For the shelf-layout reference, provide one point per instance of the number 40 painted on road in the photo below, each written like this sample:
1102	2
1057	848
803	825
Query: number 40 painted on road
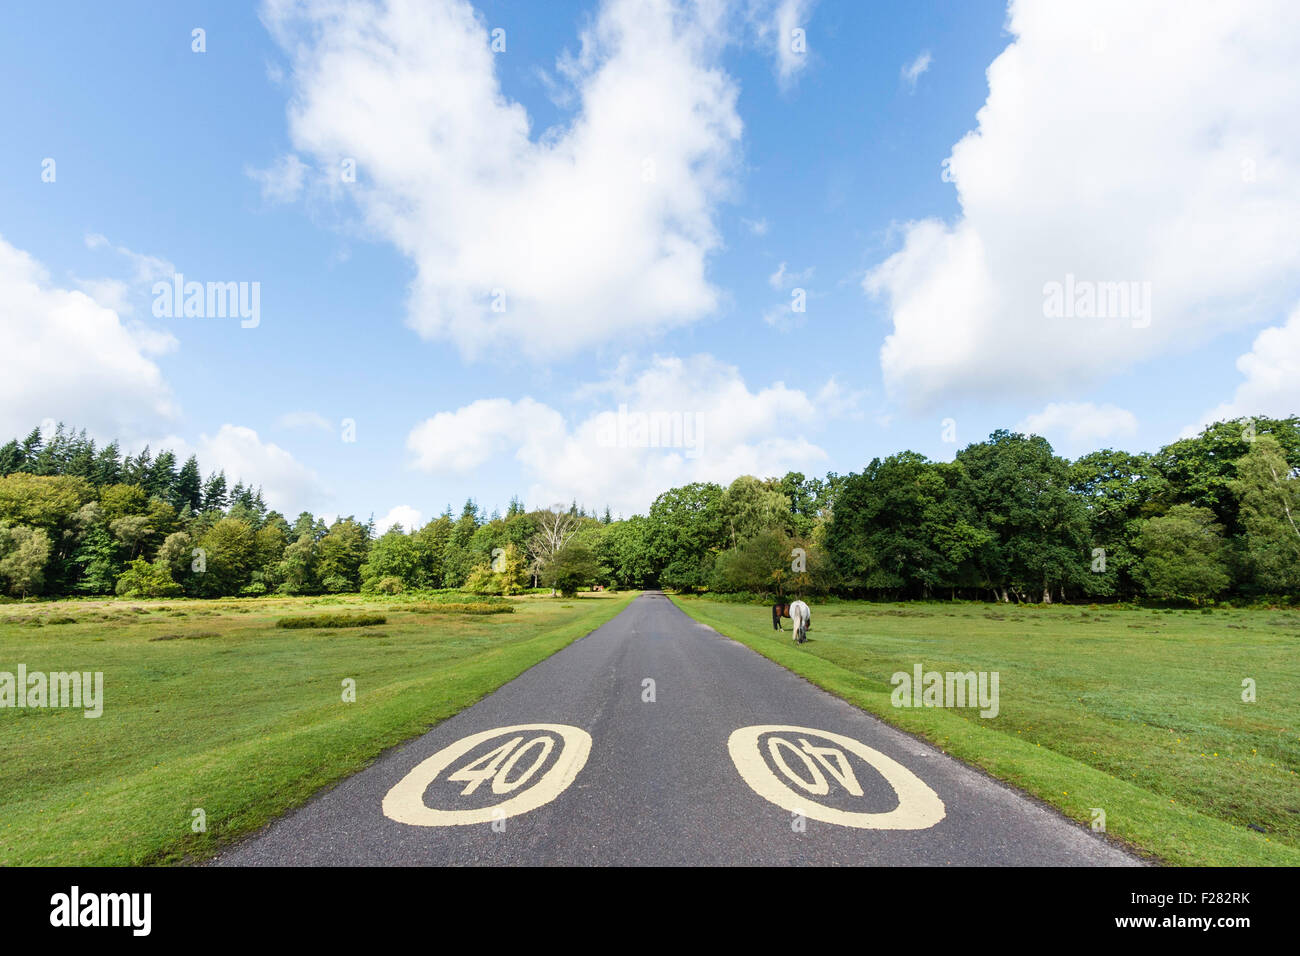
919	807
405	802
490	766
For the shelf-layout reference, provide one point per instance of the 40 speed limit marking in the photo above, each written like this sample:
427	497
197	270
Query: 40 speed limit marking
510	768
801	758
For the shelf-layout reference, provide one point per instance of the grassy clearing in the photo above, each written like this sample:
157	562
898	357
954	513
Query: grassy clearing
209	705
1137	712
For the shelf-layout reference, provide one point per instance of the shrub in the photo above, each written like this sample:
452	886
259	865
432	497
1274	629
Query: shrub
463	608
482	580
192	636
142	579
336	584
388	584
331	620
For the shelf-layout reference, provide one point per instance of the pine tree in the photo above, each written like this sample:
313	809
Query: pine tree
135	471
31	448
47	461
11	457
214	492
187	490
107	469
81	456
161	477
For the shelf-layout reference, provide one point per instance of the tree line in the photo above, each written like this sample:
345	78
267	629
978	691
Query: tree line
1206	517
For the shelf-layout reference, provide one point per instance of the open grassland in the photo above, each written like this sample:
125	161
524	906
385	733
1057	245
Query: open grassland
1136	712
210	706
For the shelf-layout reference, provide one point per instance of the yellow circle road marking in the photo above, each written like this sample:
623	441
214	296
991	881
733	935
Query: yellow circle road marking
918	808
405	802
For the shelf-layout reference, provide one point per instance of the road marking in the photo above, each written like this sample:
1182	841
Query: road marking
918	808
522	755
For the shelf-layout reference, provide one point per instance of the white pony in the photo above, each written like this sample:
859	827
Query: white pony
801	617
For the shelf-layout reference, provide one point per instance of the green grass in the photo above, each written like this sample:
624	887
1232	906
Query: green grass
209	705
1137	712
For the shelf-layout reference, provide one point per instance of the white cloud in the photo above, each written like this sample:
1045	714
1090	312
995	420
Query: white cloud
460	441
1150	142
115	294
145	269
151	341
757	227
833	400
912	71
782	279
287	485
774	23
713	428
409	518
112	294
66	357
282	181
1080	423
1271	372
783	317
591	231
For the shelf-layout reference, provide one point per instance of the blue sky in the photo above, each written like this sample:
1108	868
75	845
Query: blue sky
1103	151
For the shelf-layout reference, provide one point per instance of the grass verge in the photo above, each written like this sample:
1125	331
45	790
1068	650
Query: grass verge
1138	713
208	706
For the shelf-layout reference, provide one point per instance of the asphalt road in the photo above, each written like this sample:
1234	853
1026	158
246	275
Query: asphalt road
662	780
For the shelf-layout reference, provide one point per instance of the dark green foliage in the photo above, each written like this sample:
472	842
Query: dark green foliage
187	490
573	567
214	492
332	620
1182	555
142	579
1038	529
1216	515
97	558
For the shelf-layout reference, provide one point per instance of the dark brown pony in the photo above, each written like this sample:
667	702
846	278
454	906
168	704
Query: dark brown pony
779	611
